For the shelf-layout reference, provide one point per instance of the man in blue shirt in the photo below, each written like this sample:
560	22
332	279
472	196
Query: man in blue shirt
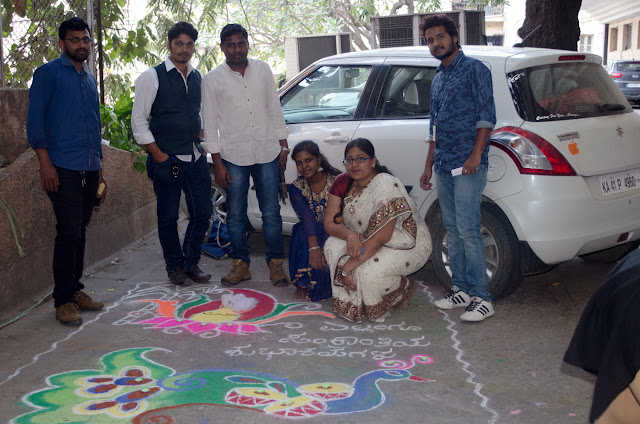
462	117
64	130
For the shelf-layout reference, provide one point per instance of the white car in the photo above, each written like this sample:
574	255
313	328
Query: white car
564	162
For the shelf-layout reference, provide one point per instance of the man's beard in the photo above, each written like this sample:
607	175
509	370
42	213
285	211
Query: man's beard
238	60
447	53
78	54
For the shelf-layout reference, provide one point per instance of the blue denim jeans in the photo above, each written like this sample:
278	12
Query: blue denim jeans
73	205
195	181
460	198
266	179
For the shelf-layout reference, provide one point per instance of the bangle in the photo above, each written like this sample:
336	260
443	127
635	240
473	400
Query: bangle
285	149
351	235
314	248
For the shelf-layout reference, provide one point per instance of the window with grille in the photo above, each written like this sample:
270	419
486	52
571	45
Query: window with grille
626	36
613	41
585	43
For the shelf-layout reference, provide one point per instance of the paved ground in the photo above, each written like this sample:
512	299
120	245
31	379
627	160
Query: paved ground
163	354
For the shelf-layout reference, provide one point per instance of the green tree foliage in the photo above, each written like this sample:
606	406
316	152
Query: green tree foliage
116	124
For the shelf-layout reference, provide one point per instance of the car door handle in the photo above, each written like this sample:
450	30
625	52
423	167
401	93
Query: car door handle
336	138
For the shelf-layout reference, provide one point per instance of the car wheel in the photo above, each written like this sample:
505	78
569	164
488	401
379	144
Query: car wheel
500	246
611	255
219	198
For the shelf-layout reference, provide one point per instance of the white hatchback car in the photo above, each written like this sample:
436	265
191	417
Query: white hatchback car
564	162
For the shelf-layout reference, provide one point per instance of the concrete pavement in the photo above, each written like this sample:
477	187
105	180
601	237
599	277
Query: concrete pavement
161	353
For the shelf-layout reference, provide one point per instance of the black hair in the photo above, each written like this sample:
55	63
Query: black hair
232	29
73	24
431	21
182	28
313	149
366	146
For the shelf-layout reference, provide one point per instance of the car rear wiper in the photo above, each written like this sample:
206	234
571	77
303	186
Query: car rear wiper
604	107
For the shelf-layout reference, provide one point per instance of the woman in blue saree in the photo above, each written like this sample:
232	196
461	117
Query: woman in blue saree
308	195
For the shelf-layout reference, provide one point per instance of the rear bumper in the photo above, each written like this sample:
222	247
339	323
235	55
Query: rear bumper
560	218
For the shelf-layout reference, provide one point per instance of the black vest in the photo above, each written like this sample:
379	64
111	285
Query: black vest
175	115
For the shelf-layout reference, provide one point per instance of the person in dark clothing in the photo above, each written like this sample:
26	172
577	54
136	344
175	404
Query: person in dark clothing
64	130
606	343
166	119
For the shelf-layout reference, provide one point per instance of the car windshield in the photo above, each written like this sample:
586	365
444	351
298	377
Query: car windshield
628	66
570	90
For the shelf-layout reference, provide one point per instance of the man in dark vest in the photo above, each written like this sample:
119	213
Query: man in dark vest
166	120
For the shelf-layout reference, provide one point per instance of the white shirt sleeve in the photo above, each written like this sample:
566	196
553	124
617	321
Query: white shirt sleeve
210	115
274	108
146	91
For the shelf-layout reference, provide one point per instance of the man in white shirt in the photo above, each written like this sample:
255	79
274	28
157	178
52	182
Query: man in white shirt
245	132
166	119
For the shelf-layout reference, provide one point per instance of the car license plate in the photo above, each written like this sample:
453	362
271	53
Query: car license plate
620	182
630	85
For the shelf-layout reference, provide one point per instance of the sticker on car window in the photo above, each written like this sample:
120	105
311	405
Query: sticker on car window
556	116
516	77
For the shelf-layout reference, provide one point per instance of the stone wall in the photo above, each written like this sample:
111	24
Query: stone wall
127	214
14	105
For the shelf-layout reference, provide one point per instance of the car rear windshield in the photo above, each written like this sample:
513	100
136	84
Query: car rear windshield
570	90
628	66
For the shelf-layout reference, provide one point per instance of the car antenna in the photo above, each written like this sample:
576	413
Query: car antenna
521	44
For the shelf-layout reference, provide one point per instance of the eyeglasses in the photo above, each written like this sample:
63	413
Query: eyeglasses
305	161
77	40
359	159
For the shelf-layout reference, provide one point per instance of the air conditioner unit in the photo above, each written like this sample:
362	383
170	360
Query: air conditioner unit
404	30
301	51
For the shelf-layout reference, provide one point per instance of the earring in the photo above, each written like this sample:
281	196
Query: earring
373	165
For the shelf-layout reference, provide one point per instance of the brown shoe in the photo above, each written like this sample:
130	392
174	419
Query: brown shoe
68	314
239	272
86	303
276	272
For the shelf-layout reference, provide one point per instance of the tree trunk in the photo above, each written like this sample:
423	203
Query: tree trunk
558	20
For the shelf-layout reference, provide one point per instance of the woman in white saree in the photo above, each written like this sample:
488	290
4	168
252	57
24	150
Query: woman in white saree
377	238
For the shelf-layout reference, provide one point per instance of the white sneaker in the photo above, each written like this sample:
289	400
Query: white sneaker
453	298
478	310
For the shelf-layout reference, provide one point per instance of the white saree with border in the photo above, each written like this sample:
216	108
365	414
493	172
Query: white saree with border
381	280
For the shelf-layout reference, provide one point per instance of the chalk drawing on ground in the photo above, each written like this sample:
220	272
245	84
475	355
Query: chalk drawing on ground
211	311
129	387
456	345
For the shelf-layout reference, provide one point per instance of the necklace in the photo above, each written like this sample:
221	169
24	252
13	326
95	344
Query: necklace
353	199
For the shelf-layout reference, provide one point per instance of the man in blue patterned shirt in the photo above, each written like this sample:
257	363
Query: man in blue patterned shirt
462	117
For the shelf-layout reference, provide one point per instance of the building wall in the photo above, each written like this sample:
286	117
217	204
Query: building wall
128	213
589	27
617	51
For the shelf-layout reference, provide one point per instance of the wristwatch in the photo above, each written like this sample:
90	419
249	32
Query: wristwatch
285	149
346	273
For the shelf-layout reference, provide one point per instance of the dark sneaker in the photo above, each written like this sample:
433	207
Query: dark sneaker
276	272
198	275
453	298
178	276
239	272
68	314
477	310
86	303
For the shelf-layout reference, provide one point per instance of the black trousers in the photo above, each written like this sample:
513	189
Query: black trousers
72	204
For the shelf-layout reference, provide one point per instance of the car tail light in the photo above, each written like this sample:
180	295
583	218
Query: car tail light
615	74
531	153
